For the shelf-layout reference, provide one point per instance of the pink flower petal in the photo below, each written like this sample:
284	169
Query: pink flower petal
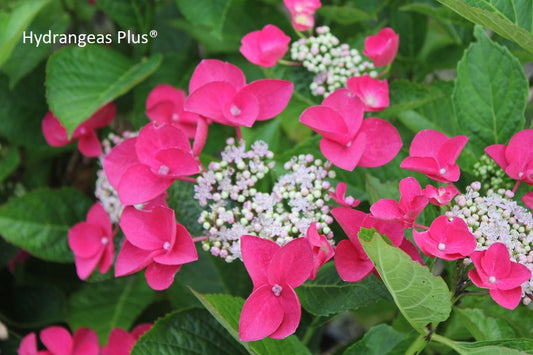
200	137
99	217
86	342
213	70
516	149
86	266
178	162
265	47
272	95
102	117
182	251
427	143
107	258
257	254
160	277
28	345
495	261
292	264
346	157
210	99
450	150
382	48
527	199
119	160
57	340
164	103
497	153
139	184
386	209
161	112
507	298
261	314
518	274
153	139
326	122
383	143
351	262
292	312
139	330
410	249
131	259
373	93
148	230
54	133
85	239
242	110
349	107
120	342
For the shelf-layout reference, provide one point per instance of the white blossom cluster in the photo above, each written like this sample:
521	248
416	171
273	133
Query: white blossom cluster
237	205
496	217
332	62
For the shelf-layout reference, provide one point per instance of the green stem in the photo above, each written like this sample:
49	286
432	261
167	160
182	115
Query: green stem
310	331
446	341
417	346
289	63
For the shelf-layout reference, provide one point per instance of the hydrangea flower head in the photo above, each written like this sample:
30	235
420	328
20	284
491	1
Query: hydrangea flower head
348	140
88	143
265	47
382	48
92	242
494	270
273	309
434	154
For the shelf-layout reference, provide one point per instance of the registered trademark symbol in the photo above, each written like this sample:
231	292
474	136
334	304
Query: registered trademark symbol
153	33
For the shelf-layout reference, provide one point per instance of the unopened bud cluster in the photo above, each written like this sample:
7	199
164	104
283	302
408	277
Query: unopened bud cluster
491	175
496	217
332	62
234	190
104	192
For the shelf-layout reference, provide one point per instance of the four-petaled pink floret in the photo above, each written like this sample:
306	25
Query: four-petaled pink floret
348	140
88	143
434	154
92	242
340	196
321	248
495	270
58	340
302	12
412	202
516	159
265	47
273	309
156	242
445	239
382	48
373	93
441	196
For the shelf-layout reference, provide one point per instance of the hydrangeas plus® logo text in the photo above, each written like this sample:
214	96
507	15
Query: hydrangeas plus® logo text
82	39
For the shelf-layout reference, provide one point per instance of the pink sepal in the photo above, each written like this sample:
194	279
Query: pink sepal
261	314
213	70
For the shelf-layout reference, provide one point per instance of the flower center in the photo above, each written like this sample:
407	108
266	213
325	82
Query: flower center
175	117
492	279
166	246
370	100
276	290
104	240
441	247
235	111
163	170
442	171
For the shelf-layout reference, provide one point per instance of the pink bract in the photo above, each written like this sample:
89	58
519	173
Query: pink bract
273	309
340	196
218	91
495	270
265	47
445	239
528	200
120	342
88	143
348	140
143	167
382	48
321	248
516	159
59	341
373	93
309	6
434	154
92	242
411	204
165	104
156	242
441	196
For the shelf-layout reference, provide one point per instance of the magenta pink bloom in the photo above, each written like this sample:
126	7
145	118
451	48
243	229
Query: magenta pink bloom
434	154
348	140
165	104
302	12
445	239
340	196
120	342
265	47
412	202
373	93
218	91
528	200
88	143
495	270
59	341
143	167
92	242
156	242
516	159
382	48
321	248
441	196
273	309
351	261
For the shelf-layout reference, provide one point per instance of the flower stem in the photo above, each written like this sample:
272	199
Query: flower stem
421	226
417	346
200	238
516	186
289	63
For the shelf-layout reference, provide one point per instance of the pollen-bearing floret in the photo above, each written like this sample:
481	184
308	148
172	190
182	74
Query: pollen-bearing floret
496	217
240	202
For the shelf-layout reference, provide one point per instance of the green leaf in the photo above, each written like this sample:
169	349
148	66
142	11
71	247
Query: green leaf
496	347
378	190
105	305
9	162
13	23
81	80
511	19
227	309
490	93
344	15
421	297
129	14
381	340
210	13
39	221
193	331
327	294
483	327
